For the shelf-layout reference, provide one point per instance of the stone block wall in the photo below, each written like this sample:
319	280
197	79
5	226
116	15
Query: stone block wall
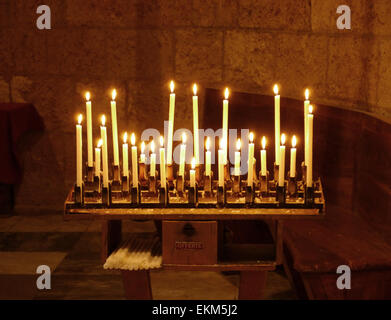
137	46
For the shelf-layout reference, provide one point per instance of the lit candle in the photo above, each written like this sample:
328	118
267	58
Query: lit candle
263	157
79	152
225	124
195	125
153	160
90	160
103	134
171	123
192	173
310	141
277	122
125	162
221	164
114	127
97	158
237	158
250	175
142	155
306	105
182	156
134	161
293	158
281	170
162	164
208	157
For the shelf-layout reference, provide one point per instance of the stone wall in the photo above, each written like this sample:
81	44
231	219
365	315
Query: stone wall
137	46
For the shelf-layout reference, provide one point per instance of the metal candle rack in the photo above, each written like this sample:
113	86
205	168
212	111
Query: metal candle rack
177	193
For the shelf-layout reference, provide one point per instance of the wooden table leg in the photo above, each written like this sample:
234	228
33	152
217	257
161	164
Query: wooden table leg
137	285
111	237
252	285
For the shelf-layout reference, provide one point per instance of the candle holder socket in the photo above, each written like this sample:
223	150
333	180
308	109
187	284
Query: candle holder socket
142	174
89	179
193	195
152	184
208	184
280	194
116	183
198	173
170	176
309	196
221	197
163	196
125	184
78	194
106	195
180	184
236	189
303	172
292	185
135	194
97	185
276	172
264	183
250	195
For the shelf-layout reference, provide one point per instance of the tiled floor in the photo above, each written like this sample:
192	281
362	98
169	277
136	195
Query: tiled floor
72	250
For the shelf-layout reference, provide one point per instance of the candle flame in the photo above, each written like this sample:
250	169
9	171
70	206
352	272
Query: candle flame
172	86
275	89
207	143
283	138
125	137
79	118
307	94
184	137
103	120
310	108
161	141
88	96
113	94
263	142
142	147
100	143
294	141
251	137
133	139
193	163
226	93
195	89
153	146
238	144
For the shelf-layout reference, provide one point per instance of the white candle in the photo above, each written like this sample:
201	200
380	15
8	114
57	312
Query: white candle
310	142
293	158
90	160
221	164
125	161
103	134
306	105
250	175
208	158
134	161
281	170
162	164
237	158
142	155
97	158
277	123
182	156
79	152
152	170
195	125
171	123
263	157
192	173
114	127
225	124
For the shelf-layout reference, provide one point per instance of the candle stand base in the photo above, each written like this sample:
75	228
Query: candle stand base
116	183
125	185
292	185
276	172
79	194
303	172
106	195
208	185
280	195
309	196
236	189
193	195
180	185
263	183
221	197
135	195
97	186
250	195
152	185
163	196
